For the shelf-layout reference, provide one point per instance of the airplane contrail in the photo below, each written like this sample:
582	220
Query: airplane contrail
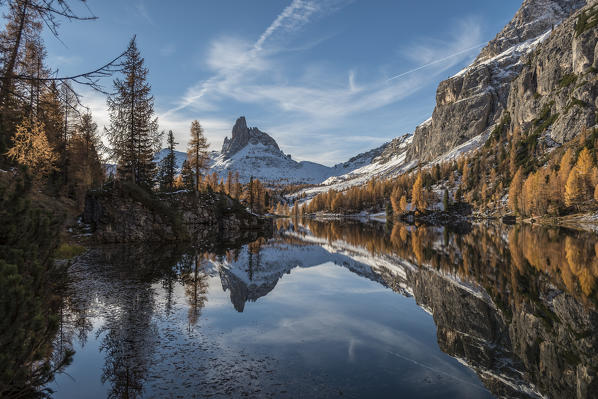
436	62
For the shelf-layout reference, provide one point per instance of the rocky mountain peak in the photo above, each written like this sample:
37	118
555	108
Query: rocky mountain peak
242	136
240	125
533	19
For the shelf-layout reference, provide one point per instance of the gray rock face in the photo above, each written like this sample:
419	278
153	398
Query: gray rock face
470	328
559	77
119	217
363	158
395	147
241	292
242	135
528	351
533	19
470	102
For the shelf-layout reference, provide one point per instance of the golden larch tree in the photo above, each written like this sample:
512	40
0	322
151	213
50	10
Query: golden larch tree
584	163
197	153
584	169
566	165
573	189
395	198
31	147
515	192
403	203
417	195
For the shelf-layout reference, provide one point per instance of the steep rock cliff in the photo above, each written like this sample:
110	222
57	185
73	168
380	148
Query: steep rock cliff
473	100
559	81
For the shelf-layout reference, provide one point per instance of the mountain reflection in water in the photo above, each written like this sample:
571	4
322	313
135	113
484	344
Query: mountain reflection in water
515	305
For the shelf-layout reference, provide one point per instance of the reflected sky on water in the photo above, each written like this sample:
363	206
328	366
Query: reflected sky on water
331	309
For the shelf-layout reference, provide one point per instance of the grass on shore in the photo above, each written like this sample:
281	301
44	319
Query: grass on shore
68	251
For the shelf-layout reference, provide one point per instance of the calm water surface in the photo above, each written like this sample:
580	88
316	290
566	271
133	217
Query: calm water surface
335	309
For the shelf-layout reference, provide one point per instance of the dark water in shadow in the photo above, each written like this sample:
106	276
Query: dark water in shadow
338	309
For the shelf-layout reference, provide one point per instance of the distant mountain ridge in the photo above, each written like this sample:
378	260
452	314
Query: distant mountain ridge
253	153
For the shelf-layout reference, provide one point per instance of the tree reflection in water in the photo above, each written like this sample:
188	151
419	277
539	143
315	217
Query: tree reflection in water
194	278
569	258
533	312
123	278
516	304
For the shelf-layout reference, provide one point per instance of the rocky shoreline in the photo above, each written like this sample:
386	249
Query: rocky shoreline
125	213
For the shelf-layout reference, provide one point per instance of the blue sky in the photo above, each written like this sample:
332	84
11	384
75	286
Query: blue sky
326	78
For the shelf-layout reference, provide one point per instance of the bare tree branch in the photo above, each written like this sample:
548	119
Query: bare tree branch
91	78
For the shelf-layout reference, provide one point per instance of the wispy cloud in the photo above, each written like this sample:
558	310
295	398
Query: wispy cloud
438	61
254	73
461	43
295	16
143	12
246	74
167	50
232	58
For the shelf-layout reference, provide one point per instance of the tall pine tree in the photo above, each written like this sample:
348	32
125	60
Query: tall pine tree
168	165
23	25
85	150
133	131
197	152
187	176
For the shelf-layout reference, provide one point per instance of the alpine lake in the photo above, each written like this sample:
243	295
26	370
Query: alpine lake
337	308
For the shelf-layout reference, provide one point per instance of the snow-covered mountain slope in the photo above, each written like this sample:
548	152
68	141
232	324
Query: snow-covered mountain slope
468	105
473	100
270	165
253	153
179	158
251	276
391	162
359	160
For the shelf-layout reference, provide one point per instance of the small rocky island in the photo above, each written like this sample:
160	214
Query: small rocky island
123	213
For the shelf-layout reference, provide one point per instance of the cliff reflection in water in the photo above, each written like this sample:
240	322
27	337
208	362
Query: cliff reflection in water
515	304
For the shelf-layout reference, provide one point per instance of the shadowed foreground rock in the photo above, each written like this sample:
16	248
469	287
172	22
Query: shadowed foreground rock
125	213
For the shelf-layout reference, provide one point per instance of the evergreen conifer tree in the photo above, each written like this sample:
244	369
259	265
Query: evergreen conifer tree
85	151
133	131
188	176
168	165
445	200
28	238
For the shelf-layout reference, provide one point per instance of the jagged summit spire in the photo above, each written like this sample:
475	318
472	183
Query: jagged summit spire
241	136
240	125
